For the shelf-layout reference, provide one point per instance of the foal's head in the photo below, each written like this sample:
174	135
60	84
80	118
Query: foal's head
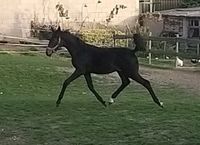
55	42
60	39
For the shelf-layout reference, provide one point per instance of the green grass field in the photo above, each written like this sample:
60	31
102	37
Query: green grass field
29	86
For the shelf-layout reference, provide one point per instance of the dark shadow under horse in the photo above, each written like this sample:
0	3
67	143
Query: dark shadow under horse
89	59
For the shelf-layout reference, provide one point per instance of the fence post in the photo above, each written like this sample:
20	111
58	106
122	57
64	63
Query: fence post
126	39
114	40
150	43
151	6
198	50
165	44
177	49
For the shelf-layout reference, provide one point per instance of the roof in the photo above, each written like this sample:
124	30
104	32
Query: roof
182	12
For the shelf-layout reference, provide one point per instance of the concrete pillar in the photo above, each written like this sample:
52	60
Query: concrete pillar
185	28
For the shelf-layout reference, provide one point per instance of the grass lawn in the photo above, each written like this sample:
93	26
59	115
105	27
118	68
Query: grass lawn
29	86
160	63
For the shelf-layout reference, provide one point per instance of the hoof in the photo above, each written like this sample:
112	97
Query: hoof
104	103
111	100
161	104
57	103
109	103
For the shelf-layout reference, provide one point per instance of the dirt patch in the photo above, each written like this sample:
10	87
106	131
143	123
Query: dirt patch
189	80
11	137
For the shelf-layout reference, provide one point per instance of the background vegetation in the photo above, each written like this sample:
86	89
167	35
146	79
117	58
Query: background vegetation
191	3
103	37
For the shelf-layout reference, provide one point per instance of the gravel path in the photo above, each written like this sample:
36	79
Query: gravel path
189	80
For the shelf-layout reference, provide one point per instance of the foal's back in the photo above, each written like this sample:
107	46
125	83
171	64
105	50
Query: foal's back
107	60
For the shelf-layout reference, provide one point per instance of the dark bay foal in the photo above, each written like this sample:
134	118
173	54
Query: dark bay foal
89	59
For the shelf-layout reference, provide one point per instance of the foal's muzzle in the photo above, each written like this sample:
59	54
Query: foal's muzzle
49	51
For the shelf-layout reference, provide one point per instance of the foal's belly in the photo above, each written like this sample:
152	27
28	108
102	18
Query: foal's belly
102	72
102	69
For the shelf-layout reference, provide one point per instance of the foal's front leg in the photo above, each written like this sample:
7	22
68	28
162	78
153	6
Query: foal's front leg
91	87
74	76
125	83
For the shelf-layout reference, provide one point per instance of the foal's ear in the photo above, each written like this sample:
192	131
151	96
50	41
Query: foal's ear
52	29
59	29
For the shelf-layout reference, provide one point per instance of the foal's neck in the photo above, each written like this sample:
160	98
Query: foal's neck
72	43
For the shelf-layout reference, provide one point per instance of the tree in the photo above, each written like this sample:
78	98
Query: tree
115	11
62	12
190	3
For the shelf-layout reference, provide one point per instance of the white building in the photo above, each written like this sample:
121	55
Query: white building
16	15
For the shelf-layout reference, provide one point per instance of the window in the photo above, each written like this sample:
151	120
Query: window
193	22
196	23
193	32
194	28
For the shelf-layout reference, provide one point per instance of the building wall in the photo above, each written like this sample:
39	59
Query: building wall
158	5
16	14
173	24
154	25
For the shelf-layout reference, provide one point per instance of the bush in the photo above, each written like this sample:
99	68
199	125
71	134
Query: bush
101	37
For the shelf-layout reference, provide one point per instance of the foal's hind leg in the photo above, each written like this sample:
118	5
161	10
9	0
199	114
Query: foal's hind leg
74	76
147	85
91	87
125	83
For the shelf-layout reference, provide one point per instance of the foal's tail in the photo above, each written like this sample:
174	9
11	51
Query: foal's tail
139	42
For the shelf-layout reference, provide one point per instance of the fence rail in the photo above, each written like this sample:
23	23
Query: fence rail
153	38
176	40
20	41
